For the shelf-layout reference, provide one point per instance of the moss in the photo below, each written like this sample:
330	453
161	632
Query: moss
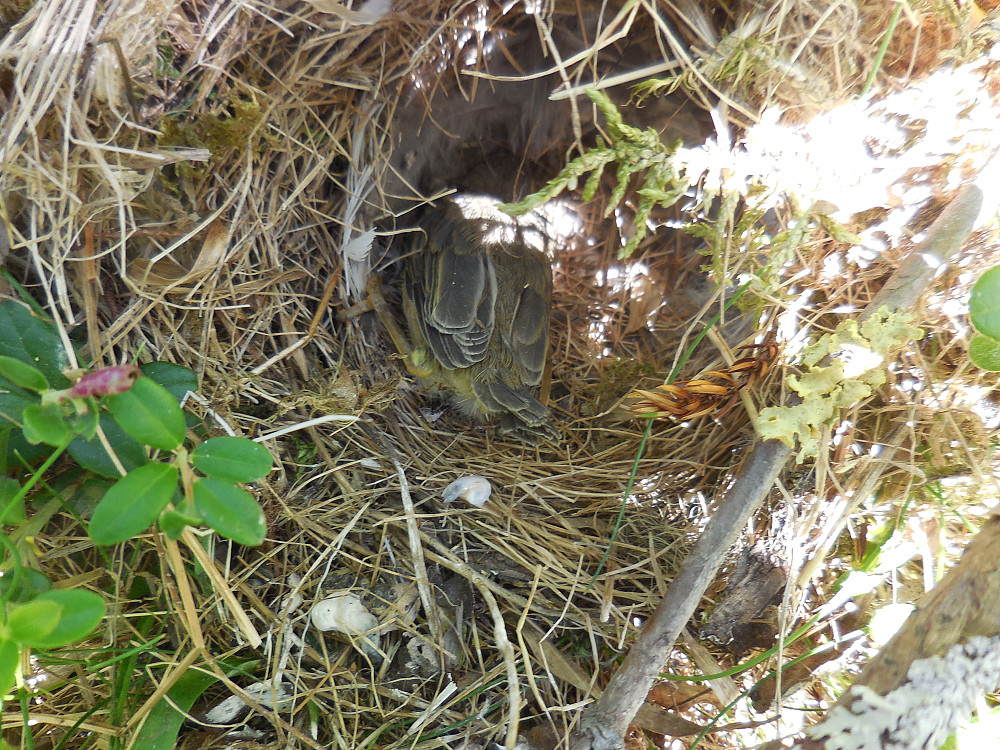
620	376
235	128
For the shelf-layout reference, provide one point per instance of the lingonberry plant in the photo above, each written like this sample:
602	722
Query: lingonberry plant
123	428
984	312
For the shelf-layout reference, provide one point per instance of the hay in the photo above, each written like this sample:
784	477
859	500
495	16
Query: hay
226	219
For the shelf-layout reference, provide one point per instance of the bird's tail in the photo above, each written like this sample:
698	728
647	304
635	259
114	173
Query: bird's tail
522	414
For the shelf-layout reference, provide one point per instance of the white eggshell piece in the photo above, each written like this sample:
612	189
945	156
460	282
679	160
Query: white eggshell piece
344	613
475	490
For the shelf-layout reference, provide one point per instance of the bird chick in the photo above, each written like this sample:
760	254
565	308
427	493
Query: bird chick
477	303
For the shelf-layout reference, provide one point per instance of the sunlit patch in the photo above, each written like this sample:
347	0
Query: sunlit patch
469	40
547	228
886	150
39	678
858	360
597	333
794	335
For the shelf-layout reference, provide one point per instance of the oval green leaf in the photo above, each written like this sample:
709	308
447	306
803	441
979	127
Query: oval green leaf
230	511
984	303
16	449
232	459
25	587
90	454
10	659
33	341
22	374
81	613
150	414
172	523
185	510
46	424
11	510
133	503
984	352
176	379
163	723
32	620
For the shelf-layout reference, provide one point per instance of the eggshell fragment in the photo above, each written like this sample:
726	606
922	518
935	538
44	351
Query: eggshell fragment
475	490
346	614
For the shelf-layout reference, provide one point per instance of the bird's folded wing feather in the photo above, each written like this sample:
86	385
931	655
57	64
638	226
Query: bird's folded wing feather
529	333
456	293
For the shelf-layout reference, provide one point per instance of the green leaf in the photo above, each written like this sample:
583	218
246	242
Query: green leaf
174	520
984	303
9	489
33	341
159	730
984	352
22	374
91	455
232	459
46	424
58	423
230	511
84	423
18	589
133	503
20	451
150	414
173	523
13	402
81	613
10	659
176	379
32	620
163	723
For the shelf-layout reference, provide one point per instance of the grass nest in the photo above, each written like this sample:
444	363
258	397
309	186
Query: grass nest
211	186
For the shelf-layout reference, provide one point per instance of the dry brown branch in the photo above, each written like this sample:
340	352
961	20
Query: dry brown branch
605	723
930	673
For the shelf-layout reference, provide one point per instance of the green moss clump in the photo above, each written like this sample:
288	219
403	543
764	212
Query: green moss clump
620	376
219	132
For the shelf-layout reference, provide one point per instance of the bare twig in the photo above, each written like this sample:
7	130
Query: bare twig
604	724
955	627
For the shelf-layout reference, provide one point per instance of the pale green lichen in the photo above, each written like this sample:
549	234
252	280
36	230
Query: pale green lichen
856	367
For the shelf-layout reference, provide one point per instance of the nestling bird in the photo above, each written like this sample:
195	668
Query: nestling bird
477	296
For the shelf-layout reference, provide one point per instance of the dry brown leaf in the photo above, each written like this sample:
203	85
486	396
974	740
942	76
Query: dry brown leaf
213	249
166	273
645	298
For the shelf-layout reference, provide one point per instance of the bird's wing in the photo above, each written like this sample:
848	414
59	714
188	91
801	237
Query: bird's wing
528	334
454	285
